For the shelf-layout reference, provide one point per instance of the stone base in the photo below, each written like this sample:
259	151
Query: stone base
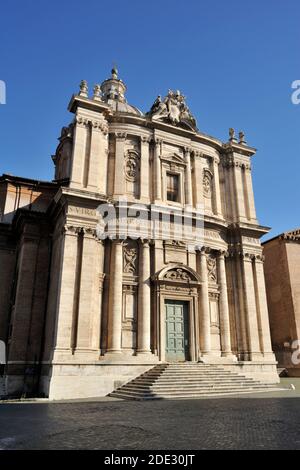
214	359
90	380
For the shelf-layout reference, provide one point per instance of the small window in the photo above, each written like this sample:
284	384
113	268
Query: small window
172	187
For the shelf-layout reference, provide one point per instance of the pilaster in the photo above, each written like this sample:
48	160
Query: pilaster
115	298
119	178
144	170
205	339
144	296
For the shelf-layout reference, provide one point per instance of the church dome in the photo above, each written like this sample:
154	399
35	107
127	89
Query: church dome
113	92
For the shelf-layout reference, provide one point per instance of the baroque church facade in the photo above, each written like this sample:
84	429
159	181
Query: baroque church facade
82	312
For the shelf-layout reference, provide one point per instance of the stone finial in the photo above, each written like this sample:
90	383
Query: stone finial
232	135
83	88
97	92
114	73
242	140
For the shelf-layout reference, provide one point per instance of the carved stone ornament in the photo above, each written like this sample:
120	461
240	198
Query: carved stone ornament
211	269
131	165
129	259
207	183
178	275
173	109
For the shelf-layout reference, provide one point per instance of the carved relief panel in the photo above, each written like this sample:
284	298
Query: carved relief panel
212	269
207	188
132	172
130	257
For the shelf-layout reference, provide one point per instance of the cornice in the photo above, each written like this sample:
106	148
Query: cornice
86	103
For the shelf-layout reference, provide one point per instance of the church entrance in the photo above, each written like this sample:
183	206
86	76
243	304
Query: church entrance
177	330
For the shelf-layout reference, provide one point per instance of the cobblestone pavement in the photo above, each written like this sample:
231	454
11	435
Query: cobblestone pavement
227	423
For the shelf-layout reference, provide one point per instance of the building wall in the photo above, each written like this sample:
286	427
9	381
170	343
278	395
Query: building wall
282	257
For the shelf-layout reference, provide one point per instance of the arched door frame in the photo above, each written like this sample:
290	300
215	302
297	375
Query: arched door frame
177	282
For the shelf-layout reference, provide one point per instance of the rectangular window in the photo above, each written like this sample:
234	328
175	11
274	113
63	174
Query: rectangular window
172	187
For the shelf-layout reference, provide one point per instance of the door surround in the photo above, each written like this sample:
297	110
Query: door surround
177	282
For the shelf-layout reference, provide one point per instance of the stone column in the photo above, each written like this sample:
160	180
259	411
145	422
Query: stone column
66	286
250	303
144	171
88	289
79	151
205	340
198	180
25	290
248	182
239	191
217	193
144	296
188	178
97	318
97	175
157	170
224	310
264	326
115	298
119	179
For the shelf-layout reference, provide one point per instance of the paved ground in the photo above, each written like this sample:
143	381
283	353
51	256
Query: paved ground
261	421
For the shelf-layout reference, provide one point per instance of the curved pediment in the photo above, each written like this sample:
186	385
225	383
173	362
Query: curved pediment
177	272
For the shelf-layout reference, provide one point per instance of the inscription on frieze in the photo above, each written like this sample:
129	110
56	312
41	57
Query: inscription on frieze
81	211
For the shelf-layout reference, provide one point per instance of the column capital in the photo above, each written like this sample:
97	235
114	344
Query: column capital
188	150
120	136
99	126
222	253
146	139
205	250
158	141
145	242
81	121
198	154
259	258
118	241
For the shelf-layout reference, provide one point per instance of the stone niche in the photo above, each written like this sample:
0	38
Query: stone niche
132	157
130	292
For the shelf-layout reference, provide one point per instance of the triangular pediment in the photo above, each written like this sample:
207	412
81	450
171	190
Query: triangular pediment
174	158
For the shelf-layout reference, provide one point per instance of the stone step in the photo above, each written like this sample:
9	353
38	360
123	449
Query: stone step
185	375
188	381
192	382
176	390
129	396
193	385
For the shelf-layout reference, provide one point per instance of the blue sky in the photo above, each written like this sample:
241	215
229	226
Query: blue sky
235	62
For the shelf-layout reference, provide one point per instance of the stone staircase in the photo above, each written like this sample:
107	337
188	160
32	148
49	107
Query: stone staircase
188	380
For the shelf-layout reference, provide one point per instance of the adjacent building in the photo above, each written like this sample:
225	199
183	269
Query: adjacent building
282	274
84	304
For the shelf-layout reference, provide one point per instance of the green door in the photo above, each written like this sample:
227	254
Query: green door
177	337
